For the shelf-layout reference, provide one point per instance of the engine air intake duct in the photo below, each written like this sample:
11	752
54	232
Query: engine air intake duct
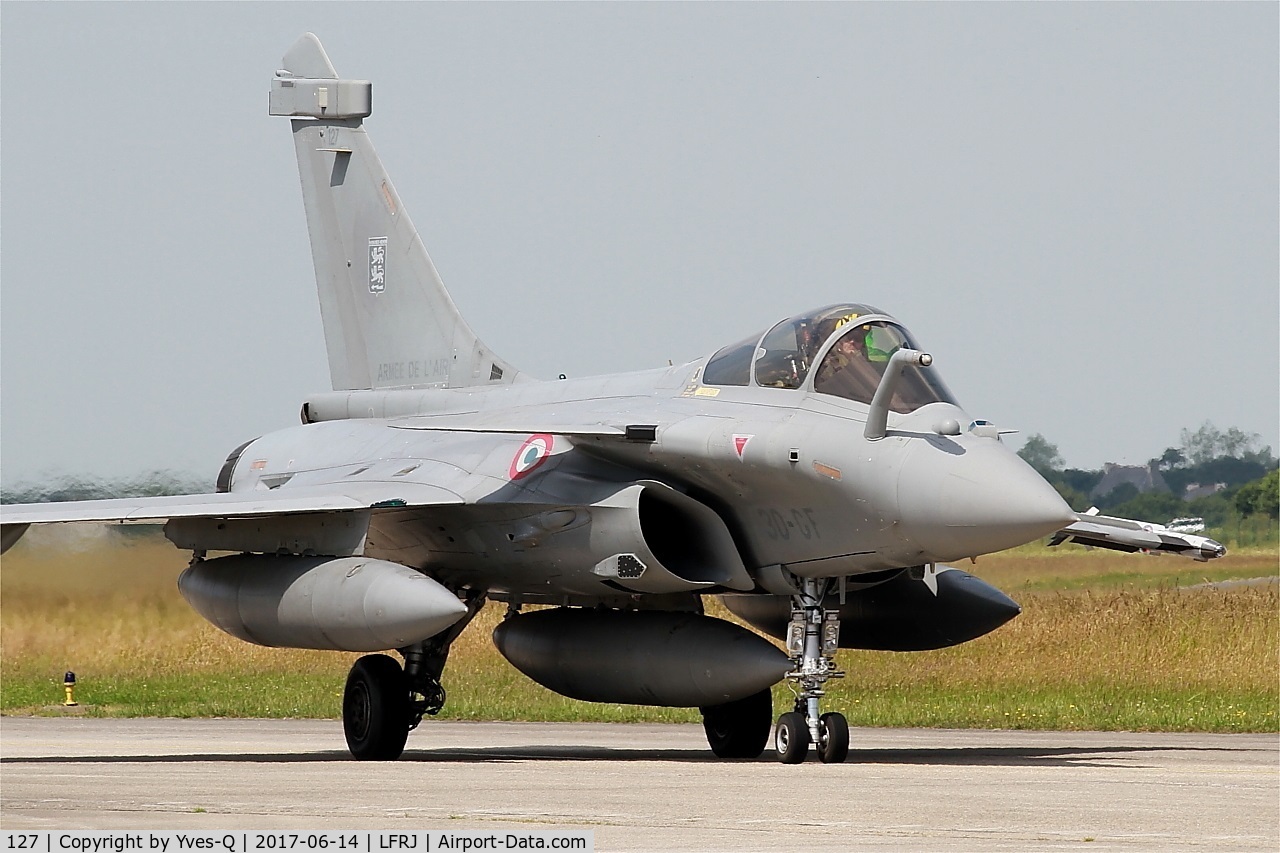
646	657
642	536
675	543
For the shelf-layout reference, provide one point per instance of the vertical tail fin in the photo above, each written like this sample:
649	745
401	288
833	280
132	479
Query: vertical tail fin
388	320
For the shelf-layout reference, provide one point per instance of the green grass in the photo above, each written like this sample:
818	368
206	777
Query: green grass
1037	568
1175	577
1092	706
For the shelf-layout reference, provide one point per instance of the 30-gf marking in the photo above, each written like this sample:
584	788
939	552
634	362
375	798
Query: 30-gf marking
781	524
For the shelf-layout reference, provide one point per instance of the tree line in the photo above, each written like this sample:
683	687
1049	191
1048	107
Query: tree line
1206	456
70	488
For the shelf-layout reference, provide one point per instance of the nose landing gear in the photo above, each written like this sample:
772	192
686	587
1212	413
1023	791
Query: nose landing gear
812	639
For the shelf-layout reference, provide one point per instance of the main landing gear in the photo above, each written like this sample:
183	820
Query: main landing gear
739	729
812	639
382	702
375	708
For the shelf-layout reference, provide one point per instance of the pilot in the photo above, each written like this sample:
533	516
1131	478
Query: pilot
820	336
847	350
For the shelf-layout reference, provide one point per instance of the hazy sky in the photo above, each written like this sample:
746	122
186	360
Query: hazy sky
1074	207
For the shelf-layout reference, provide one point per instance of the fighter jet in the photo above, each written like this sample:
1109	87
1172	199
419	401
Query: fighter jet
816	475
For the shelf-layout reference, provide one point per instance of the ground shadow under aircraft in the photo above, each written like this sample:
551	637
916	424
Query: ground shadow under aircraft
1013	756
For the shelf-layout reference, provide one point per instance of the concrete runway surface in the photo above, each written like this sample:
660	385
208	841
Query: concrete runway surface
652	787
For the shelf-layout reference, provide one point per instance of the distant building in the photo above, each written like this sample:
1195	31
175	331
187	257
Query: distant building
1145	477
1197	490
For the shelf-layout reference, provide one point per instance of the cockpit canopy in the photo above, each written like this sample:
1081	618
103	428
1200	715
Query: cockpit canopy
850	346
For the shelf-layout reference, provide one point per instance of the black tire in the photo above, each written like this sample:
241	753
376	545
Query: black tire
791	738
375	709
739	729
833	738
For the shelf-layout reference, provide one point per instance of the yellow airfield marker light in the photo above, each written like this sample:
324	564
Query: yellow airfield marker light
69	684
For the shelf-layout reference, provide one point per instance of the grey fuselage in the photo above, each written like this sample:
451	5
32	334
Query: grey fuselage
787	470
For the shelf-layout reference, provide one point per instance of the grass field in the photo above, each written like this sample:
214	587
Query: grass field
1106	641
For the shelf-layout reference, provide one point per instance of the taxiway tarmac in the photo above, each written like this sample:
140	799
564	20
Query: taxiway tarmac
650	787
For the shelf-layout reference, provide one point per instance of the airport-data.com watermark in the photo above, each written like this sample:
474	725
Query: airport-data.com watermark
330	841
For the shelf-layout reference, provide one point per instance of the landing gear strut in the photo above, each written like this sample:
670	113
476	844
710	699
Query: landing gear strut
812	639
382	703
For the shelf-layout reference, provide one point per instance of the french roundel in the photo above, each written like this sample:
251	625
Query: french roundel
532	453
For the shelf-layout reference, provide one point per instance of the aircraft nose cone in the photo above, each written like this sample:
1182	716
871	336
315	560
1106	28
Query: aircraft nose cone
982	500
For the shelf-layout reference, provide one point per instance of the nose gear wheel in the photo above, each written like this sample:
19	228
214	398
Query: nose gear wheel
791	737
833	738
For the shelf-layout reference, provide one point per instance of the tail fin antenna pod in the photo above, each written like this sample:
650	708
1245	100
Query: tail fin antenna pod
388	320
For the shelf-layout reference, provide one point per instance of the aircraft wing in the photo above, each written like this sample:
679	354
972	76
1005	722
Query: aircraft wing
266	503
1124	534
